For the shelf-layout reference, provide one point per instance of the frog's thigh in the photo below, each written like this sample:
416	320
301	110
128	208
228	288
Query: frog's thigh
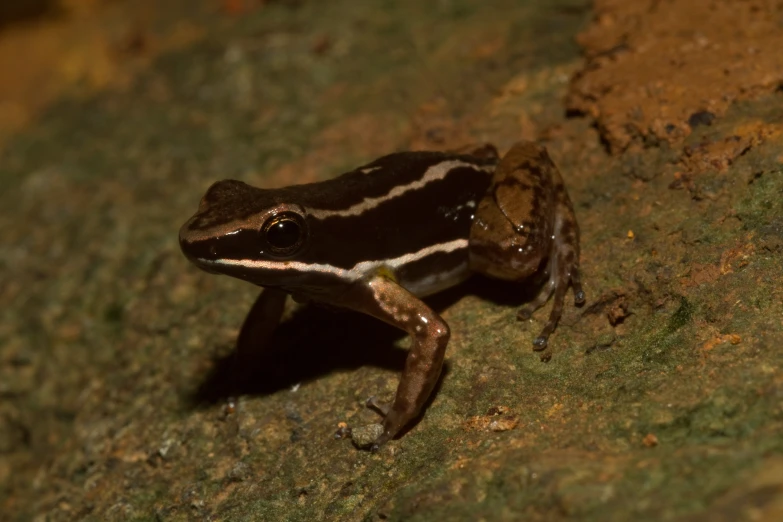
511	234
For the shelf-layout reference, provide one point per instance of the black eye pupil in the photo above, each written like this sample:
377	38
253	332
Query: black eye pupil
283	234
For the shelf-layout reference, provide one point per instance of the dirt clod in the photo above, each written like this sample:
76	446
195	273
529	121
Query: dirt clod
657	69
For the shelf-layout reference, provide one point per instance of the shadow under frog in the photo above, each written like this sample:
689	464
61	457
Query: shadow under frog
318	340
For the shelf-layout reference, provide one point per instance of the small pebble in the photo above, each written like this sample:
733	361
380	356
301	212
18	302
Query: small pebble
365	436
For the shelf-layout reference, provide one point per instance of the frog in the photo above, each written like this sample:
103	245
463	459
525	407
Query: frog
380	238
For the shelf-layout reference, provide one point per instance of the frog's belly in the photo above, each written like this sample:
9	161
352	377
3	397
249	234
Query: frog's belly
444	267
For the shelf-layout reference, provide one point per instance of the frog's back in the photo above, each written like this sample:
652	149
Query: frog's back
408	211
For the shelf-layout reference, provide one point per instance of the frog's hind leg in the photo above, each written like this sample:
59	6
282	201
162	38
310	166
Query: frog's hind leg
563	268
525	223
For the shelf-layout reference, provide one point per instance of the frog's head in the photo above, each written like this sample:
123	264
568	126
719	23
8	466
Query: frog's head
246	232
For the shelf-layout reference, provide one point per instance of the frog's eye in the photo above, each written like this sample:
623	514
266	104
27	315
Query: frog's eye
284	233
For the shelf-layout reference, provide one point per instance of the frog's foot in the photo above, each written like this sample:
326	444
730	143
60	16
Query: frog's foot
372	436
393	421
381	433
563	270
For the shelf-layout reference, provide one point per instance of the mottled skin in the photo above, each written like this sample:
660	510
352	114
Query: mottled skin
527	219
378	238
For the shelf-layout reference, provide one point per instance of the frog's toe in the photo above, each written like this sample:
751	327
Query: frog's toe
377	405
576	285
540	343
524	314
527	311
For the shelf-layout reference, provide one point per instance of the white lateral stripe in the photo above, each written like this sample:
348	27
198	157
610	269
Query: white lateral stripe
357	272
434	173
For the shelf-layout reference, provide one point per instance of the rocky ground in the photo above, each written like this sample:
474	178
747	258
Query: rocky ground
663	399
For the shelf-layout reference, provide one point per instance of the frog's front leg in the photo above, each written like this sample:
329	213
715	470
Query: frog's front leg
524	224
257	329
383	298
261	321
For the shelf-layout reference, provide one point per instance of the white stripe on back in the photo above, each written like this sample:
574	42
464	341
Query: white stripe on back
434	173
